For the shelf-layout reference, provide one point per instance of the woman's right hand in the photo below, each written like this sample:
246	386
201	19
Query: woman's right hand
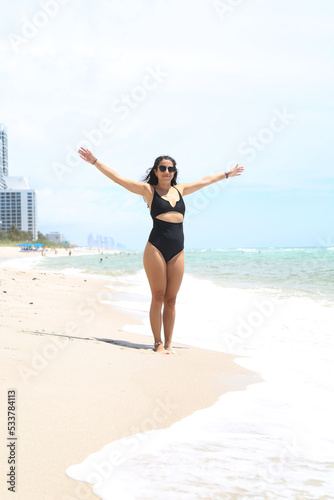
86	155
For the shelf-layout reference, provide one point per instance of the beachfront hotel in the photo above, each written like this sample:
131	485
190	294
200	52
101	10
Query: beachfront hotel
17	200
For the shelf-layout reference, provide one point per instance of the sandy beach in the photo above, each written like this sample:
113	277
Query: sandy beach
81	381
15	252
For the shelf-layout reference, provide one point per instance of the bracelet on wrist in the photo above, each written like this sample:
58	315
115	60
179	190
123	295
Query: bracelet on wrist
94	161
226	173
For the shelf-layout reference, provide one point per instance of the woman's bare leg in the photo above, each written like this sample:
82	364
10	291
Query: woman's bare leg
175	270
155	268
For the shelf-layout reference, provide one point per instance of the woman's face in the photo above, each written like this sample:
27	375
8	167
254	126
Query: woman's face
164	177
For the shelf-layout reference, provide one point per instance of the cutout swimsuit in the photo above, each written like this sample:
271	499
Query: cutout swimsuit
167	237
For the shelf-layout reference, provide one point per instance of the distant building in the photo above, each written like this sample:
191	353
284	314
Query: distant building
17	200
99	241
55	237
103	242
108	243
91	241
18	206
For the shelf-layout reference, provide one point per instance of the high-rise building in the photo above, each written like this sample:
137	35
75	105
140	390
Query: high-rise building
91	240
108	243
103	242
18	206
17	200
99	241
3	155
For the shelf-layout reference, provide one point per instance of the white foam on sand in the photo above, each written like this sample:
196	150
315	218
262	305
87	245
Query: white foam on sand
21	263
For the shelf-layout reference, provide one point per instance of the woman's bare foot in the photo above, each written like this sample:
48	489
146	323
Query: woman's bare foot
169	348
158	347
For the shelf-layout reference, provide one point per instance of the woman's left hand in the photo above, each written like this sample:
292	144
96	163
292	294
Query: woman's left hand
235	171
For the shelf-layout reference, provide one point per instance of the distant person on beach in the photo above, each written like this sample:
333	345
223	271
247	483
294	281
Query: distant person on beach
163	257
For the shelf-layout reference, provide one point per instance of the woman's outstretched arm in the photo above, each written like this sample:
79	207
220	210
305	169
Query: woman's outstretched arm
191	187
141	188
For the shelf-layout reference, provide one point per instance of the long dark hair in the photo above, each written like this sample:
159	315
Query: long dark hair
150	176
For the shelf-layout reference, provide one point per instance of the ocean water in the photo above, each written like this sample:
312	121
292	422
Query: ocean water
275	440
298	270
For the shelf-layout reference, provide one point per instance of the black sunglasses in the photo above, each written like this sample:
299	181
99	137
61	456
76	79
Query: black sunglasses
162	168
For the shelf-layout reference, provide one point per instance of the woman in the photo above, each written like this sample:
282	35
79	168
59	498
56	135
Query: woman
164	252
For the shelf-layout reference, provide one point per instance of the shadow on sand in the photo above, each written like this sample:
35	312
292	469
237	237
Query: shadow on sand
122	343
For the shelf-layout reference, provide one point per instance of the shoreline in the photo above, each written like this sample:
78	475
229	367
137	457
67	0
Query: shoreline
82	382
13	252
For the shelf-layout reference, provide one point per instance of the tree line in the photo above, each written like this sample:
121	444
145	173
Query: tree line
15	235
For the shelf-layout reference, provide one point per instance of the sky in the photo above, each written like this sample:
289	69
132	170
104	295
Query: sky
211	83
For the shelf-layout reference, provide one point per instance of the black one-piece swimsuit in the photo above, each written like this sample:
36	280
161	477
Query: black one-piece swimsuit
167	237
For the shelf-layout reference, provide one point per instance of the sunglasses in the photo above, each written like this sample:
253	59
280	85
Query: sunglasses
162	168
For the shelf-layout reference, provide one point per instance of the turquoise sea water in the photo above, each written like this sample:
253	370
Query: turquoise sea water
307	271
